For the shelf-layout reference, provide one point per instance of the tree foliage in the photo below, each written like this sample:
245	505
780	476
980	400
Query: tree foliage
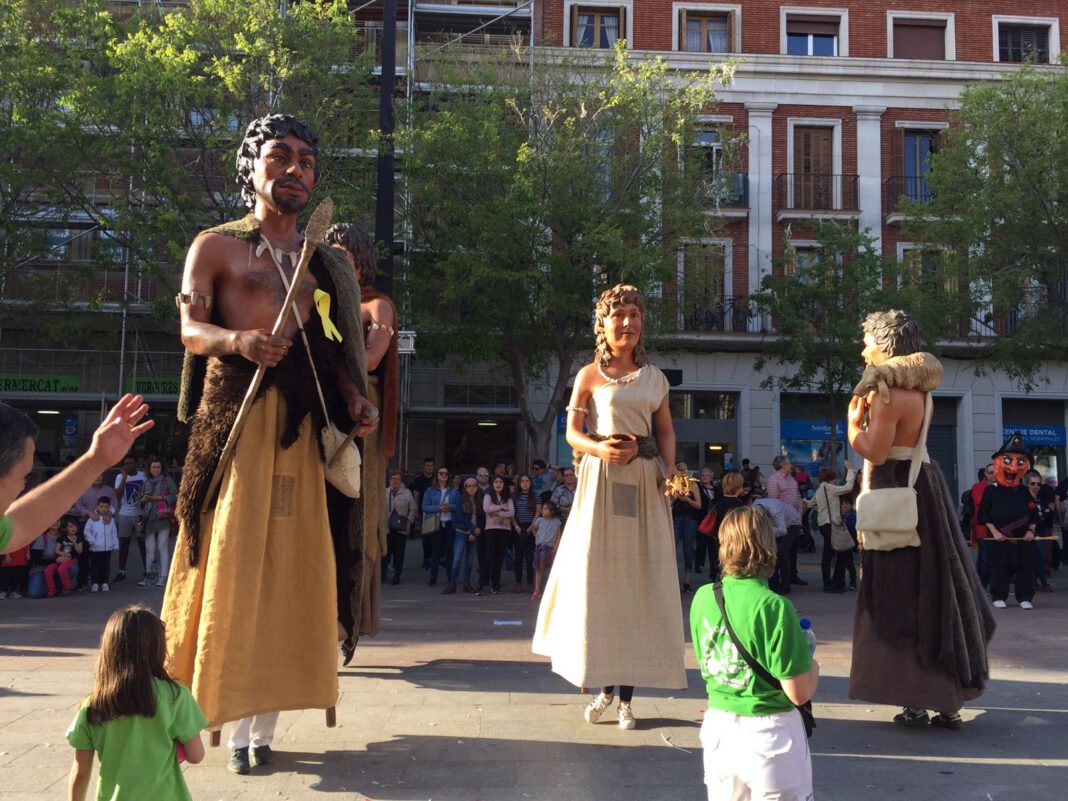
531	193
999	214
817	305
127	127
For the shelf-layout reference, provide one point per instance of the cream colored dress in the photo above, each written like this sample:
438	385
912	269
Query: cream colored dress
610	613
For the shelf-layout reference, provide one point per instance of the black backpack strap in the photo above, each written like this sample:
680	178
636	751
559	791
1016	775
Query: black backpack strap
717	589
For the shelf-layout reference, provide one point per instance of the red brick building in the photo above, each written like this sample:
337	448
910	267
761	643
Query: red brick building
840	104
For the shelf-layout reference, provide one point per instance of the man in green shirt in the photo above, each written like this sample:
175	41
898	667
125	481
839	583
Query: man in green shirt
24	518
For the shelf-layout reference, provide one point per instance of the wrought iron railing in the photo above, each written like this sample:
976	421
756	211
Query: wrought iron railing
912	187
814	192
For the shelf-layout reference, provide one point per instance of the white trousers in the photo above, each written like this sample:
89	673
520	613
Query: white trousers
254	731
750	758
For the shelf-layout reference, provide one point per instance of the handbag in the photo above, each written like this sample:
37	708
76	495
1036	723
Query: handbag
398	522
708	524
343	461
840	538
164	511
430	524
807	716
893	511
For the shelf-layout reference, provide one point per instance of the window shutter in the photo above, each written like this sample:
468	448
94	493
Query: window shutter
682	29
920	39
574	26
732	46
813	23
899	155
623	28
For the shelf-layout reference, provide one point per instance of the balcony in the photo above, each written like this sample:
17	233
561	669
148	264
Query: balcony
727	315
369	39
472	57
728	194
898	188
806	196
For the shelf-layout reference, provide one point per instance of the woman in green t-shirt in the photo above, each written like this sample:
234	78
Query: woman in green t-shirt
753	736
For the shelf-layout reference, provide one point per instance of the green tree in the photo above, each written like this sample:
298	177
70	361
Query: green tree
999	216
47	48
816	301
530	193
128	127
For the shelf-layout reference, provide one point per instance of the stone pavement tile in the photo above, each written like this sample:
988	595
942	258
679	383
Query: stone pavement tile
36	770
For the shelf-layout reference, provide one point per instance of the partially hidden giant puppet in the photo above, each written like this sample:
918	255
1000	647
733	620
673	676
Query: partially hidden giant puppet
922	620
251	613
1010	515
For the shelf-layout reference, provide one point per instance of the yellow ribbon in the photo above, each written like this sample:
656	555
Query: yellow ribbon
322	305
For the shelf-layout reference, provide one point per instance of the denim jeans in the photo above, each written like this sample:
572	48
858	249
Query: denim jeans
463	553
686	531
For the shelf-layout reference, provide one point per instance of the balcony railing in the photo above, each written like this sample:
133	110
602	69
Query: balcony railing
730	314
912	187
729	190
817	193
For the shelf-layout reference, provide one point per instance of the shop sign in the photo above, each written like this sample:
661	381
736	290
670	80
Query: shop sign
809	429
154	385
39	383
1035	435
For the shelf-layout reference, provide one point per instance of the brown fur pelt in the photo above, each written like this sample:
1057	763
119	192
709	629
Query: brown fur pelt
919	370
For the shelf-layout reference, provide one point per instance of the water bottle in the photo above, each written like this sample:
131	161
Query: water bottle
810	636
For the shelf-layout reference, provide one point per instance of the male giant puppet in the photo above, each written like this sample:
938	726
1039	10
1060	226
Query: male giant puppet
251	610
922	620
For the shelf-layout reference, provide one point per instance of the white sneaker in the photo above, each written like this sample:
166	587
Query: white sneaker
143	582
1026	605
3	595
596	707
161	581
105	588
626	717
1000	605
15	594
95	588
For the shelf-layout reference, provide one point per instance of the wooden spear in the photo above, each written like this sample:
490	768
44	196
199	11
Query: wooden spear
314	234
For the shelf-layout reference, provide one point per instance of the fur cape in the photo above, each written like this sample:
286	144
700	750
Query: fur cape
225	386
918	370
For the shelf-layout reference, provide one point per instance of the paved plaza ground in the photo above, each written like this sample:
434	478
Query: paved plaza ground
449	704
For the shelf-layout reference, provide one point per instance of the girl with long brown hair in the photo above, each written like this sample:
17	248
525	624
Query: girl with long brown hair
135	718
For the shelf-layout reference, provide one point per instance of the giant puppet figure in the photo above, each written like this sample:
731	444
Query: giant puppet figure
250	611
1010	516
922	621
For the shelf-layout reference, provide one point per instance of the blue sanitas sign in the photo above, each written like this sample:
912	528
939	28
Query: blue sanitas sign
809	429
1035	435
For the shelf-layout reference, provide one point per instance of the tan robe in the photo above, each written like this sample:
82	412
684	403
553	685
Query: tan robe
253	627
374	525
610	613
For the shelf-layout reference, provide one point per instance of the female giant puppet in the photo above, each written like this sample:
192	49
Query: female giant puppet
922	622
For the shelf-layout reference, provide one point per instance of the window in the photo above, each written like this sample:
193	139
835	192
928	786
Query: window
813	177
710	152
688	405
596	27
912	161
812	34
919	38
803	260
928	269
1018	43
701	282
706	32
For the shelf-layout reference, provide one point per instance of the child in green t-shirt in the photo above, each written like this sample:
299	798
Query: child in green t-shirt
754	739
135	718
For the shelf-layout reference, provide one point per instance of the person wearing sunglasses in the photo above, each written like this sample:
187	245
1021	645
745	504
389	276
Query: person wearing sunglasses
439	501
1045	498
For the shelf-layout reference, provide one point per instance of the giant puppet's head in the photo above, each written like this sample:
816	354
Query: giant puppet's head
266	129
888	334
1012	461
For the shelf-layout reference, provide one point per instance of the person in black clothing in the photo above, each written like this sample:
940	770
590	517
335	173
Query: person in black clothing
732	496
420	484
1046	497
708	499
1011	515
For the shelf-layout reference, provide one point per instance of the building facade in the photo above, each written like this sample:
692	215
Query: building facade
840	105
